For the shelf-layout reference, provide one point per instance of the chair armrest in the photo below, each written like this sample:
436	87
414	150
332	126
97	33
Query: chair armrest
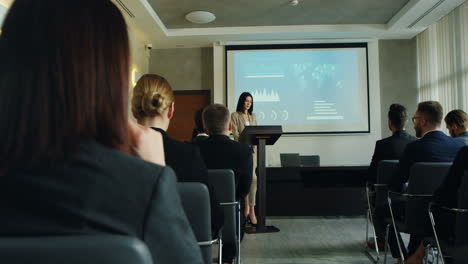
229	203
455	210
208	243
380	185
409	195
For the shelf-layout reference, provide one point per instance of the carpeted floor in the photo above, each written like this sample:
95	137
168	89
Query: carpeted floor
308	240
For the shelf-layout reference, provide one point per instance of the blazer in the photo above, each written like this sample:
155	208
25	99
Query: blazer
390	148
463	137
238	123
447	193
220	152
185	159
434	146
99	190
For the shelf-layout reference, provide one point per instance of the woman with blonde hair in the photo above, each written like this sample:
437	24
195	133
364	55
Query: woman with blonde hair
243	117
153	106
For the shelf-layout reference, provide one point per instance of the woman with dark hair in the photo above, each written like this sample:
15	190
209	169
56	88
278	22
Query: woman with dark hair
70	161
243	117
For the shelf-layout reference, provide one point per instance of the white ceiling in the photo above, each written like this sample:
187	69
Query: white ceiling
405	22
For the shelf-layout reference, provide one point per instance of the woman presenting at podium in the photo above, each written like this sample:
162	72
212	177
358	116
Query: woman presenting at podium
241	118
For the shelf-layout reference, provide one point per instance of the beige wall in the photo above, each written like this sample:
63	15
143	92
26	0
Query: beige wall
185	69
398	78
139	60
139	53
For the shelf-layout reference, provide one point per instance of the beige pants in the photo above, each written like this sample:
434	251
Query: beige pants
250	198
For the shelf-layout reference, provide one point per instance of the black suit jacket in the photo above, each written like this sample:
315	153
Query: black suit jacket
435	146
184	158
447	193
220	152
187	162
390	148
99	190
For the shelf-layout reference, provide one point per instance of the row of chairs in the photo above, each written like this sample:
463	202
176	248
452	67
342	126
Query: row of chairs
195	200
452	242
425	178
116	249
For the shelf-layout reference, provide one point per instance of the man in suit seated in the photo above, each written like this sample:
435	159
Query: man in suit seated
220	152
433	146
456	122
390	148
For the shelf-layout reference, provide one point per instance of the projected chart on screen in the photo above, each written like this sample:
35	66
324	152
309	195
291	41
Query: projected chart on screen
304	90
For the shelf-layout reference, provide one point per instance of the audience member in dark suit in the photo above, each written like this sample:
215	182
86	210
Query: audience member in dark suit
434	146
220	152
153	106
71	163
447	193
198	133
390	148
457	123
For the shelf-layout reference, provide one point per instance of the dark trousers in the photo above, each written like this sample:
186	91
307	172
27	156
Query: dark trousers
230	249
379	223
415	240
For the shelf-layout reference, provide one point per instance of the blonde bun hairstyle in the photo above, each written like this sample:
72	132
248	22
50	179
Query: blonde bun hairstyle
152	95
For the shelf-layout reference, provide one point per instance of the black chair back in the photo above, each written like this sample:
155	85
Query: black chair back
385	171
196	202
425	178
461	226
84	249
223	183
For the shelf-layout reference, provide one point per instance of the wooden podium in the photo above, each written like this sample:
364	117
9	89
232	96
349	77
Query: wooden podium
261	136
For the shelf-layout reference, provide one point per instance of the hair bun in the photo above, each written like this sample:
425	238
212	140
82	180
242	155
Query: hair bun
153	105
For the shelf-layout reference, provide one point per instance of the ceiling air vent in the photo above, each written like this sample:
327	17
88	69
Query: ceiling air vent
125	8
426	13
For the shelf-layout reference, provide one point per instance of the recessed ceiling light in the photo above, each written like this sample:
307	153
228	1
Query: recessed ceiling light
200	17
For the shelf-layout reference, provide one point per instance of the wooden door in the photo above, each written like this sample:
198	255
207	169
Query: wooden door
186	104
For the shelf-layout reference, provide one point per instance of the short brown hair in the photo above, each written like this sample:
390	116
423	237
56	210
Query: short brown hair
216	118
151	96
72	86
432	111
457	117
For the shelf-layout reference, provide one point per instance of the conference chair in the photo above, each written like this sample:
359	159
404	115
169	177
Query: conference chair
76	249
461	255
309	160
424	179
196	202
223	184
377	200
290	160
451	240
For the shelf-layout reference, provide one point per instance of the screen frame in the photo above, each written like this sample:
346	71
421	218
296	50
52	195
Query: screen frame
228	48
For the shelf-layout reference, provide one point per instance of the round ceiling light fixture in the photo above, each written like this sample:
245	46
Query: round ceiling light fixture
200	17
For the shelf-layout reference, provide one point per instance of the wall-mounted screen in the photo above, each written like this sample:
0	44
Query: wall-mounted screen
306	88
